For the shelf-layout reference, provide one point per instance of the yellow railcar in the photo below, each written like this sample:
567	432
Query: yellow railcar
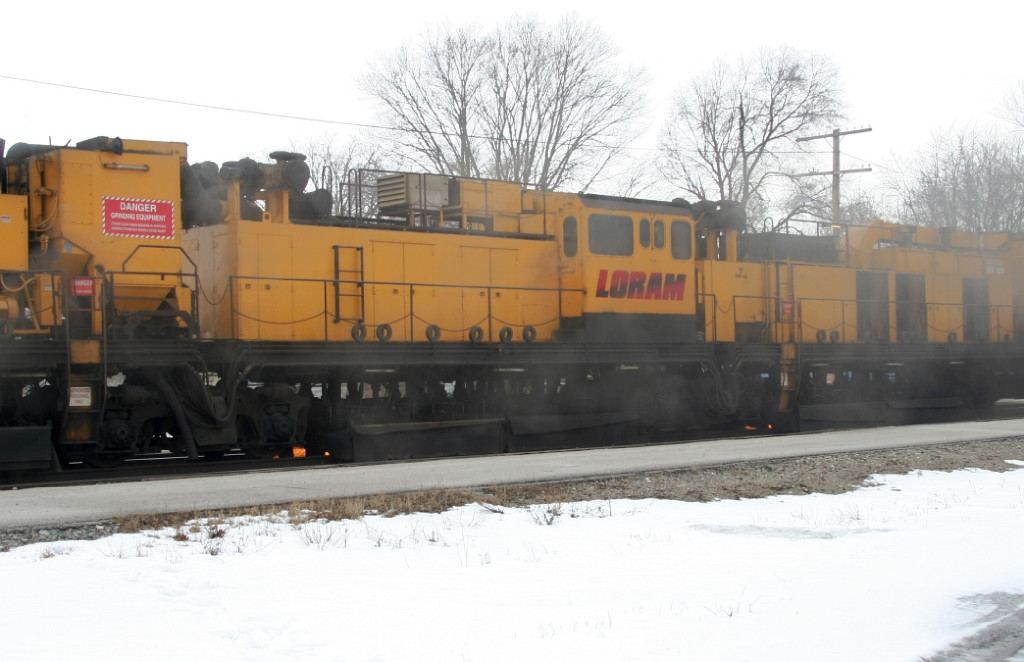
149	305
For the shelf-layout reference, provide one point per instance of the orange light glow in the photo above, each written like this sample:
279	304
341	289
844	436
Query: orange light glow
749	427
298	451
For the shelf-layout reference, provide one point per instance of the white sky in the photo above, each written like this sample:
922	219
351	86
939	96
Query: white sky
908	68
889	573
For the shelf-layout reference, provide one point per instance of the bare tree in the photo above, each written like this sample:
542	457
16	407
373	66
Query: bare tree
560	109
431	96
541	105
807	209
727	136
347	171
1015	106
966	180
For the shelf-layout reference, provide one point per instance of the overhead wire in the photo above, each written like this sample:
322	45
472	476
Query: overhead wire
300	118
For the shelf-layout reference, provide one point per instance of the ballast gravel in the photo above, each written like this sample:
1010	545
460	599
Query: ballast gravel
822	474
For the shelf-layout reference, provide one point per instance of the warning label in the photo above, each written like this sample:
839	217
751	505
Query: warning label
132	217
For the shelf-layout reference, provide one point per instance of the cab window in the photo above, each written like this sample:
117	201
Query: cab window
609	234
645	233
570	237
659	234
682	240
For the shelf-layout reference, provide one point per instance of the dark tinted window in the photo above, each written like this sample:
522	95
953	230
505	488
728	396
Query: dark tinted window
659	234
645	233
610	235
682	240
570	237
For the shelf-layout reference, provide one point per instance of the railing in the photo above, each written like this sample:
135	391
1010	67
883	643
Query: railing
837	321
253	300
132	300
943	322
703	301
47	281
839	312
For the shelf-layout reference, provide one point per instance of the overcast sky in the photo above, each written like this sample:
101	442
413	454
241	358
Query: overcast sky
908	68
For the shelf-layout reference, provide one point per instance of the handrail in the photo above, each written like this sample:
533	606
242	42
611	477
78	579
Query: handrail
1000	318
838	318
408	294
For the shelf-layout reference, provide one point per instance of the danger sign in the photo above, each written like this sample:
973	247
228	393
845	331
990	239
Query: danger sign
133	217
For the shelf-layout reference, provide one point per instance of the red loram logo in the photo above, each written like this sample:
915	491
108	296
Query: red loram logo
641	285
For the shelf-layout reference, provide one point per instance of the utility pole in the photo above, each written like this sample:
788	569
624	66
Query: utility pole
835	166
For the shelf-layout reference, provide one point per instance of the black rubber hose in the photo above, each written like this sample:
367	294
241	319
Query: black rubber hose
174	402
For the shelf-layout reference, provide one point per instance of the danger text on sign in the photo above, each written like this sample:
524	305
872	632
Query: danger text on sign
131	217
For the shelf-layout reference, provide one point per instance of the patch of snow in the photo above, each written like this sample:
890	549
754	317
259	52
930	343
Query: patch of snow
895	571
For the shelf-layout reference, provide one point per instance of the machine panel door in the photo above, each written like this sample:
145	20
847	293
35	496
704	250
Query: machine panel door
1018	317
911	310
504	296
420	271
476	274
976	310
872	306
389	293
276	290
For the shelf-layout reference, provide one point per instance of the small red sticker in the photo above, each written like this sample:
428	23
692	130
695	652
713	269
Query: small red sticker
82	286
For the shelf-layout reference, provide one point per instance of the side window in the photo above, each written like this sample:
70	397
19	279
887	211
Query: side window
659	234
682	240
570	237
610	235
645	233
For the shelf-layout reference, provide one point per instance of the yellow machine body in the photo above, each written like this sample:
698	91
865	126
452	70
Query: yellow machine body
148	305
268	280
104	217
13	232
885	283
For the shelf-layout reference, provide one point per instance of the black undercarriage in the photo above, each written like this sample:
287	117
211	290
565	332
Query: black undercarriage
377	400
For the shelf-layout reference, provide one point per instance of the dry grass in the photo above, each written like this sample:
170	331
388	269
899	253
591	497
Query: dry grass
353	508
826	474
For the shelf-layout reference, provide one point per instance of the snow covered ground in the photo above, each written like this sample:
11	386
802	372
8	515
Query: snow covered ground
896	571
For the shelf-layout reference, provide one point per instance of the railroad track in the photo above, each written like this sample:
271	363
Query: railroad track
154	468
170	466
162	466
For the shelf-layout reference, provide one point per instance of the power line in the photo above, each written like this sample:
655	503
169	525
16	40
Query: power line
198	105
286	116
